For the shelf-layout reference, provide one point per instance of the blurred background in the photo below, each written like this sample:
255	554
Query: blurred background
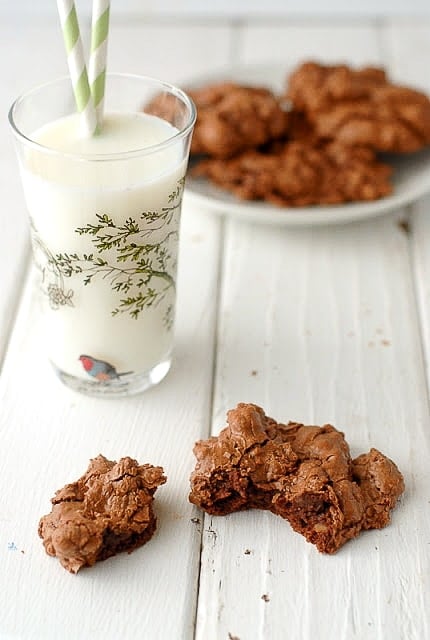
217	9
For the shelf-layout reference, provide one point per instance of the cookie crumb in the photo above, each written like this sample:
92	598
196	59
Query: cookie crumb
247	552
265	597
404	225
195	520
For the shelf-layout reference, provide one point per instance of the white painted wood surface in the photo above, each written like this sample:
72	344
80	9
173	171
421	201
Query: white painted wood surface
317	325
228	9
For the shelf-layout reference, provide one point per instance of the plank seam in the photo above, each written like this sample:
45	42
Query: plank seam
22	277
420	315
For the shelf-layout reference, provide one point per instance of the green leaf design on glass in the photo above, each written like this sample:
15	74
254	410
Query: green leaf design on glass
133	257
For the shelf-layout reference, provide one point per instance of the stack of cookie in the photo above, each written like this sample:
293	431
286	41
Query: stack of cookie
318	143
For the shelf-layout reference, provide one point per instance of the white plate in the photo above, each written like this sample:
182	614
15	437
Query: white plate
411	178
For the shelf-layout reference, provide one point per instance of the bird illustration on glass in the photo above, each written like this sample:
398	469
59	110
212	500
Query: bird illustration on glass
100	369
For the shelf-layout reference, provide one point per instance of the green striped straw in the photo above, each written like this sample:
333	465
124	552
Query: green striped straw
77	67
97	66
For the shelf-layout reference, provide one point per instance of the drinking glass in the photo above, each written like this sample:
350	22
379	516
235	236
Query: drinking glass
105	228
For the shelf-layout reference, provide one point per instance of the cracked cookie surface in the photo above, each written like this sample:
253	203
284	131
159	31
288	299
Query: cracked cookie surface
303	473
233	117
298	174
360	107
106	511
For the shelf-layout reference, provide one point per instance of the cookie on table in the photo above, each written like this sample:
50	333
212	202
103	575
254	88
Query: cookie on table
305	474
106	511
360	107
233	117
299	173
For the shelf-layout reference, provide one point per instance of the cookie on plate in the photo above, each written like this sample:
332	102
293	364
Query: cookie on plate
299	173
360	107
233	117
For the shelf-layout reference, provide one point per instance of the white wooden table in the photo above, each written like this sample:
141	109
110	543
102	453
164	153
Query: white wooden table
318	325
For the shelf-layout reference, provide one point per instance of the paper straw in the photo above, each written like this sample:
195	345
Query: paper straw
77	67
97	66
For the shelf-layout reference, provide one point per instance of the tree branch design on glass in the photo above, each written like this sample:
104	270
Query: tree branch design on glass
133	258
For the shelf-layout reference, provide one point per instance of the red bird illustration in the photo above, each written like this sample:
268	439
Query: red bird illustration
99	369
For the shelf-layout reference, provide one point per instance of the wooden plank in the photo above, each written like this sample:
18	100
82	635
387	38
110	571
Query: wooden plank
398	43
173	52
49	434
342	41
321	325
405	48
419	225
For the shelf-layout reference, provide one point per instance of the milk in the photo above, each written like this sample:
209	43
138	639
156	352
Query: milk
105	238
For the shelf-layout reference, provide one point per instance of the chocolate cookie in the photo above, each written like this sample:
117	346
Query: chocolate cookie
232	118
108	510
360	107
313	86
300	173
303	473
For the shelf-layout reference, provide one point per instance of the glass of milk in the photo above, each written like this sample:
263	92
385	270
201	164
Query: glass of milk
104	218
